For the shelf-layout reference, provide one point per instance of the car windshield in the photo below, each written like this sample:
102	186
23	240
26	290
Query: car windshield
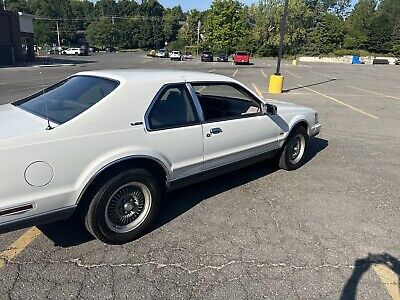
69	98
207	53
241	53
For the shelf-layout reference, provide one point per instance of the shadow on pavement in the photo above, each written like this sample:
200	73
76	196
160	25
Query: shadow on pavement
180	201
68	233
362	266
308	85
70	60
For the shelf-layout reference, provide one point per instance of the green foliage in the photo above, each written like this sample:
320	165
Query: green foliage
102	33
226	26
359	24
396	40
188	32
314	27
380	34
171	19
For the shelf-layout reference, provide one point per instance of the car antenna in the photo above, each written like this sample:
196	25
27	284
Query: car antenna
45	104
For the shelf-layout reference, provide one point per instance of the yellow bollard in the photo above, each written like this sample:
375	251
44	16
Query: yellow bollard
275	84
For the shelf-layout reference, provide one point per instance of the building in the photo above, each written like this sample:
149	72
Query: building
16	37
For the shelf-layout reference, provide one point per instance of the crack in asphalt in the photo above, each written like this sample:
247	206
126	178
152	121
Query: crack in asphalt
160	265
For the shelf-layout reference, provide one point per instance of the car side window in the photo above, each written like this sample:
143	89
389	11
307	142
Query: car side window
225	101
173	108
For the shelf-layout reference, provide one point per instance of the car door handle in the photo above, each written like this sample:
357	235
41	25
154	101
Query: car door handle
215	130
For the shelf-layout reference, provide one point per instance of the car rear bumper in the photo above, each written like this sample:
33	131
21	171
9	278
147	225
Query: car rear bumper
208	59
314	131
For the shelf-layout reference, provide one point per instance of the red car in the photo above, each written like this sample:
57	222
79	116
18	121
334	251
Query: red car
241	57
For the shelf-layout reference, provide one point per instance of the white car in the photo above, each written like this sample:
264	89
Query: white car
73	51
175	55
108	144
162	53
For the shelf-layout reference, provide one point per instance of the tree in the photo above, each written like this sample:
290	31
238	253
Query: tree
380	34
188	32
396	39
341	8
300	18
359	24
16	5
335	32
226	25
171	19
265	27
126	8
102	33
106	8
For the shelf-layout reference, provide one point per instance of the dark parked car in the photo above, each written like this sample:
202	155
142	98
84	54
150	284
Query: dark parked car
207	56
222	57
110	49
397	61
93	49
85	50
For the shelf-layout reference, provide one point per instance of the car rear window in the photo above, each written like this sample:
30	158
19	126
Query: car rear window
242	53
69	98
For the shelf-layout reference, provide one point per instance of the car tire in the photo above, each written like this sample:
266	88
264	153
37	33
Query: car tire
294	151
124	207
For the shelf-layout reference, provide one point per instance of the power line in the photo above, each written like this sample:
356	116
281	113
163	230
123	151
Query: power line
102	17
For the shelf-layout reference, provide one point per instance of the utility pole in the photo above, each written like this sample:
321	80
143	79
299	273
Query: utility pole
282	37
198	37
276	80
58	35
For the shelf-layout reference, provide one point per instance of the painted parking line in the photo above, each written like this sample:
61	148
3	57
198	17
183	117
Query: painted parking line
211	70
145	61
373	92
214	63
340	102
297	76
266	76
234	74
257	90
19	245
389	279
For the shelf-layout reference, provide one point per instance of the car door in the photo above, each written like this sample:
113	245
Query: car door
174	130
234	126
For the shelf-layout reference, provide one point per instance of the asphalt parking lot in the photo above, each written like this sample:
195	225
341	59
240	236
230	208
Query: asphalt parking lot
329	230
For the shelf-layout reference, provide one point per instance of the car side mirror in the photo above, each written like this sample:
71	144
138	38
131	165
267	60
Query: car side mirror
270	109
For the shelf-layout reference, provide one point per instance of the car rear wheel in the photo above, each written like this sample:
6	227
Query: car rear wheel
295	149
124	207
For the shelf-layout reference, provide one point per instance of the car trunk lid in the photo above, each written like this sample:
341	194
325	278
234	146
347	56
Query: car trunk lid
15	122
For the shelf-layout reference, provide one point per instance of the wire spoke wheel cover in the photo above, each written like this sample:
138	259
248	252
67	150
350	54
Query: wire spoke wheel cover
128	207
296	148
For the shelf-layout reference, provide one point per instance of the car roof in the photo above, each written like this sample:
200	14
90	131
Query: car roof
153	75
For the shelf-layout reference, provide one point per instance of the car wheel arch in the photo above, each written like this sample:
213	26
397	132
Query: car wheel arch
154	165
301	123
